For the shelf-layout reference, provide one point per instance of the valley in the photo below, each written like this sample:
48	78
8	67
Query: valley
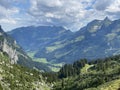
56	45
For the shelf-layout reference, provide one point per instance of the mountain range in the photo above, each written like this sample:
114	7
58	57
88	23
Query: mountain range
98	39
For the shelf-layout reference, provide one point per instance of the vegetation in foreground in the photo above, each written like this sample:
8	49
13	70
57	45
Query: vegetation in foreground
16	77
101	74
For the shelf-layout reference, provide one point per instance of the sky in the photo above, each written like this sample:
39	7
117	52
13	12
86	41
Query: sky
71	14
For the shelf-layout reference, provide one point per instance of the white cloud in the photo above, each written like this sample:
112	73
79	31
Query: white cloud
66	13
72	14
7	12
114	8
102	4
6	15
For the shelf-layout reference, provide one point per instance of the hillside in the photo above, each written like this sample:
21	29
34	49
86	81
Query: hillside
102	74
113	85
16	77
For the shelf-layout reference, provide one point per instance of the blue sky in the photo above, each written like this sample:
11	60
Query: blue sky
72	14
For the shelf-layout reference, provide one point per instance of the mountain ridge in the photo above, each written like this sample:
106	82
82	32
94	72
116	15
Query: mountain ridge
98	35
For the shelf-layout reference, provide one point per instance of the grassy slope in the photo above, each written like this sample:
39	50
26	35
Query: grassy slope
15	77
84	70
92	79
113	85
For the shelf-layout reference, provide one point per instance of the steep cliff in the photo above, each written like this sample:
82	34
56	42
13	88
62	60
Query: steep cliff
8	45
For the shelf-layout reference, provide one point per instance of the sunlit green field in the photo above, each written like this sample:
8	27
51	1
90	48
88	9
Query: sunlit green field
53	66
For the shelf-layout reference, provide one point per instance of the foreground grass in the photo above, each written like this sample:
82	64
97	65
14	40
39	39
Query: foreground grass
113	85
16	77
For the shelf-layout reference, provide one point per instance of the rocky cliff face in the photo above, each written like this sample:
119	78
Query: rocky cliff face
8	47
10	51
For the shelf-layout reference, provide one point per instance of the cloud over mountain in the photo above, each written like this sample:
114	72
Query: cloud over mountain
72	14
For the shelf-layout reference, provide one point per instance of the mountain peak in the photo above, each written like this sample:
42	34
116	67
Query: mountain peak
1	30
0	27
107	19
